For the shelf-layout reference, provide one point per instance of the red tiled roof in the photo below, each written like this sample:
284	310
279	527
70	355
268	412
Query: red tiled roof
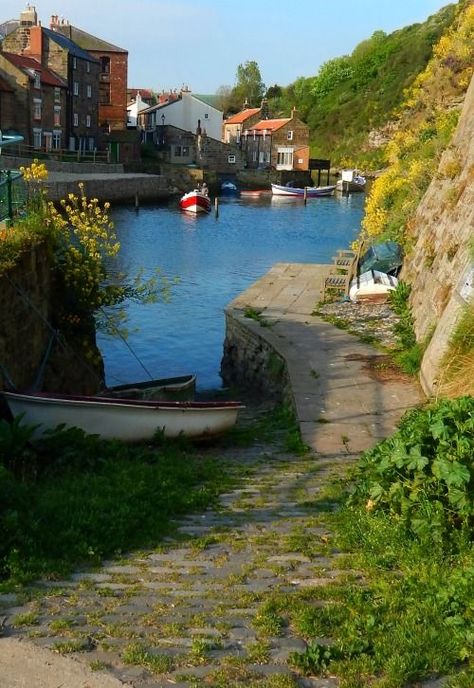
242	116
145	93
270	124
46	75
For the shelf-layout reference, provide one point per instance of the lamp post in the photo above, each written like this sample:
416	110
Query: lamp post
163	129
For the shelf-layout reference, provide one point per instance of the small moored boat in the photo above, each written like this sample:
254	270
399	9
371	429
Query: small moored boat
351	181
300	192
195	202
372	286
229	189
128	420
181	388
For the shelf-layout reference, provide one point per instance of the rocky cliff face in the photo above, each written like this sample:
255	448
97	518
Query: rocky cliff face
440	266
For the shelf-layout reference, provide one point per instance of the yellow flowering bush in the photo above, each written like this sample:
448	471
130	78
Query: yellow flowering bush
82	240
426	127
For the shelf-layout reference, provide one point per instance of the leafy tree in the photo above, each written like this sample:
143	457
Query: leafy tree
225	100
274	91
249	86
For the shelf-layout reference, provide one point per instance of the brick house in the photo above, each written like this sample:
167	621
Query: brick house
233	126
113	73
75	66
282	144
38	103
7	106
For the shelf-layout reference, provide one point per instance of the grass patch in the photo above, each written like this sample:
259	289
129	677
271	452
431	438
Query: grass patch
407	527
87	499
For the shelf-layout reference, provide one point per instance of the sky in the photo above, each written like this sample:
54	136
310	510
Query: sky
200	43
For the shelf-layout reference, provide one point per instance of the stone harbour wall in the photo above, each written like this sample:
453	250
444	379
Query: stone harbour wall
27	306
120	188
251	362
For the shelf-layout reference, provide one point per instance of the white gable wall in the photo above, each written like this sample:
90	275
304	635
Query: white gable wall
185	113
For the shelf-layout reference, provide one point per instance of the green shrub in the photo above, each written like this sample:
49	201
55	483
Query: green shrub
424	473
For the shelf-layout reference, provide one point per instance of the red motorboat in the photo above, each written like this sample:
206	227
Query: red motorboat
195	202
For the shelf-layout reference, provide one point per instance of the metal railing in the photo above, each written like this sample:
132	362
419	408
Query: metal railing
21	150
13	194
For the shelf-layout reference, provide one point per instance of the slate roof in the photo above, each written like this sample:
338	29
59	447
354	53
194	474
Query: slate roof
241	116
87	41
211	100
70	46
29	64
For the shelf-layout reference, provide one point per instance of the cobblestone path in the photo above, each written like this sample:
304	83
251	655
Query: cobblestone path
200	610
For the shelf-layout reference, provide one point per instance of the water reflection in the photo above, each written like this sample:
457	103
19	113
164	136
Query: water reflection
215	259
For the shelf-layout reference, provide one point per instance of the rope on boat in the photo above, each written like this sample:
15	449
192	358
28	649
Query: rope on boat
117	331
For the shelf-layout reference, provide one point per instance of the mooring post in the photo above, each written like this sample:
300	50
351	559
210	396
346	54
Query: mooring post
216	207
137	201
305	194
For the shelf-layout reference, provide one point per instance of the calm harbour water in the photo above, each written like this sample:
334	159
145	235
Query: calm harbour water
215	260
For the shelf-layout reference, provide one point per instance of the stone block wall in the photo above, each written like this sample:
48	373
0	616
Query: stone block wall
27	305
250	362
440	266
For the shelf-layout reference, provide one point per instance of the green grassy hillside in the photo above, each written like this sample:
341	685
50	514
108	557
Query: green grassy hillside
353	94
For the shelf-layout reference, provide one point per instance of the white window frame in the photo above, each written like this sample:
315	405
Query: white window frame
75	120
231	159
89	90
37	109
37	80
285	158
74	62
88	67
75	88
57	94
57	116
37	137
57	133
289	135
88	121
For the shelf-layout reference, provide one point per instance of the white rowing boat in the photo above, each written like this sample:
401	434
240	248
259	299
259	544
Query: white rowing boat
129	420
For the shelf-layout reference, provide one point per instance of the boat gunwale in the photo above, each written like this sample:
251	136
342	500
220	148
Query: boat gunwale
90	401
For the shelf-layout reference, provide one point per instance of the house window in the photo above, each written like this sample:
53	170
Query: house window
89	90
88	67
75	119
231	159
74	63
36	108
177	151
56	140
289	135
76	88
88	120
91	142
57	116
37	80
37	134
285	159
237	137
185	151
105	65
206	116
104	93
57	95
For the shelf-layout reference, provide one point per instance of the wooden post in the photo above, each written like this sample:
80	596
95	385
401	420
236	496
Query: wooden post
216	207
305	194
137	201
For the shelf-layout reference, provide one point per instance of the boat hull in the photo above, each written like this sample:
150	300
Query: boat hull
195	202
182	388
350	187
124	419
296	192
